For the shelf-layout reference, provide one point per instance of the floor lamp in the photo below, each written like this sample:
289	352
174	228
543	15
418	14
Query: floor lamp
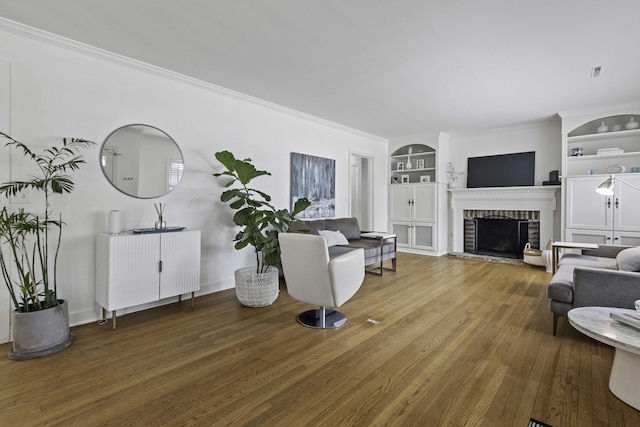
607	187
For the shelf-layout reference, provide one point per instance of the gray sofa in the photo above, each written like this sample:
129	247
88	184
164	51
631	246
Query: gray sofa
606	277
375	251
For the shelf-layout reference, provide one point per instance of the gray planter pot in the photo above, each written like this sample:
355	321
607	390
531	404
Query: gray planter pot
40	333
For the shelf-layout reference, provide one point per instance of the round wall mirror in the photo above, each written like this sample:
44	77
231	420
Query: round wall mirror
141	161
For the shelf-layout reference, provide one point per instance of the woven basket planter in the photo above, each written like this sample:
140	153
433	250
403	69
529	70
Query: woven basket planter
257	289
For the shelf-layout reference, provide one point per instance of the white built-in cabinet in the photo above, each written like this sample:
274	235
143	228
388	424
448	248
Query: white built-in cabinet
594	218
413	198
134	269
412	211
596	146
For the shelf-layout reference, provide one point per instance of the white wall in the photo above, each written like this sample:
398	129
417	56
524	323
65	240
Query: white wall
5	121
542	137
60	89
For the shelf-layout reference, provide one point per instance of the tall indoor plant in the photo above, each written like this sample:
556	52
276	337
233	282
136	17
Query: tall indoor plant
260	221
40	320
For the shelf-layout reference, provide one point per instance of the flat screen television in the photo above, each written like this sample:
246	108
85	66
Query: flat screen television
504	170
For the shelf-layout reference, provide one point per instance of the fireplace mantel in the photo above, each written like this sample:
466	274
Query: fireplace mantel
540	198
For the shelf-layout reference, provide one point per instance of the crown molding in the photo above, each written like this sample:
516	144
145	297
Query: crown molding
105	55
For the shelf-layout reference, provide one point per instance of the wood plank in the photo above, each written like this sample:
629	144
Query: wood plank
459	342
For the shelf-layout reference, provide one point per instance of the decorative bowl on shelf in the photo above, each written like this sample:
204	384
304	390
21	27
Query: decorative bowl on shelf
616	169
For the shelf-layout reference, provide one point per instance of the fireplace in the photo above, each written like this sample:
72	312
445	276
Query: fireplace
500	237
535	205
500	233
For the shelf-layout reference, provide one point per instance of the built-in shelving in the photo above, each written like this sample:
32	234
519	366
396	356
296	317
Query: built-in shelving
584	142
413	163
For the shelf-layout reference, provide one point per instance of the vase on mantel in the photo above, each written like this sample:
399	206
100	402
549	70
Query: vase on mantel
631	124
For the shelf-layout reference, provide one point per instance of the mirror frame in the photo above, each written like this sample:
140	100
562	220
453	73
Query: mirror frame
156	130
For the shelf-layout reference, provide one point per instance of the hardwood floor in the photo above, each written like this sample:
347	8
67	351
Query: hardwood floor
460	342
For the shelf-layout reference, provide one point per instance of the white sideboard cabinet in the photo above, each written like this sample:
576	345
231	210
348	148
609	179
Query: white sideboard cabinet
134	269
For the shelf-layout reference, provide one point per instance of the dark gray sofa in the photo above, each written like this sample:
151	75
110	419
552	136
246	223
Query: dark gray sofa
375	251
603	277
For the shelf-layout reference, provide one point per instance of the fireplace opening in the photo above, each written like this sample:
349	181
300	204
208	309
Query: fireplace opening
500	237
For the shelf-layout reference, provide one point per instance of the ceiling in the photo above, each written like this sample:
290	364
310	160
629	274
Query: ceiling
386	67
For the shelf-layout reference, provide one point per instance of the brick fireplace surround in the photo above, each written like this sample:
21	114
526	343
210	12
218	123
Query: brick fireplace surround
535	203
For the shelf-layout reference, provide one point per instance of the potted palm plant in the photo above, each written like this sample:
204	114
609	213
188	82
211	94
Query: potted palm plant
260	221
29	247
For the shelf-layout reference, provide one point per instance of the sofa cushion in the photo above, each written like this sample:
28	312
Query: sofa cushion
588	261
333	238
311	227
336	251
347	226
629	259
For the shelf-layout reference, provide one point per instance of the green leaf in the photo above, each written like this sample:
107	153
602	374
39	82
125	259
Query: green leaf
61	184
230	194
241	244
237	204
246	171
300	206
264	195
227	159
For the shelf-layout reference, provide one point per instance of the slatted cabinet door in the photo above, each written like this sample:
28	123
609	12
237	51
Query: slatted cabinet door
180	256
127	270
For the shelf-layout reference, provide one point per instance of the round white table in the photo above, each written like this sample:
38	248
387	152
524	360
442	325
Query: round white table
597	323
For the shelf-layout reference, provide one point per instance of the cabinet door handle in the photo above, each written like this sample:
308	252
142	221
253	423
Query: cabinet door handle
608	202
160	266
617	204
608	238
616	238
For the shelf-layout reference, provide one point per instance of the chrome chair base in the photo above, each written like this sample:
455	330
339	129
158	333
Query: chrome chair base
322	319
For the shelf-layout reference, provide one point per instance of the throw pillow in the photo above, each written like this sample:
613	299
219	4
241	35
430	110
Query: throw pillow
333	238
629	259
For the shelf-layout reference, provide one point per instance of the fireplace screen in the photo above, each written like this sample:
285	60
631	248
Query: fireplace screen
501	234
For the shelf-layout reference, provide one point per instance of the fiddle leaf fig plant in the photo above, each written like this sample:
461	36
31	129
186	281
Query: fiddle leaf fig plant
33	240
259	219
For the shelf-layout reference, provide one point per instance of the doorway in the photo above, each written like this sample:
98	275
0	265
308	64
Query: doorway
361	190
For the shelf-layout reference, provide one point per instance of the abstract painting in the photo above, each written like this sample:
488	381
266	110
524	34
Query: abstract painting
314	178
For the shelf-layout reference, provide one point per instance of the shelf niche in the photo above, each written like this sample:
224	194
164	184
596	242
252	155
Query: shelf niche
614	124
418	153
588	140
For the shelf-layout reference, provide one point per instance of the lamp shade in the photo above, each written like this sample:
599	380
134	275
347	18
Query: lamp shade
606	188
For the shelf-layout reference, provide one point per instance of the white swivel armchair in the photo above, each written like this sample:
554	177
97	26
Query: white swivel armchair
314	278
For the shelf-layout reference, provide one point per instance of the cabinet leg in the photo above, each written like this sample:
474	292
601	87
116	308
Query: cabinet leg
193	299
113	319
